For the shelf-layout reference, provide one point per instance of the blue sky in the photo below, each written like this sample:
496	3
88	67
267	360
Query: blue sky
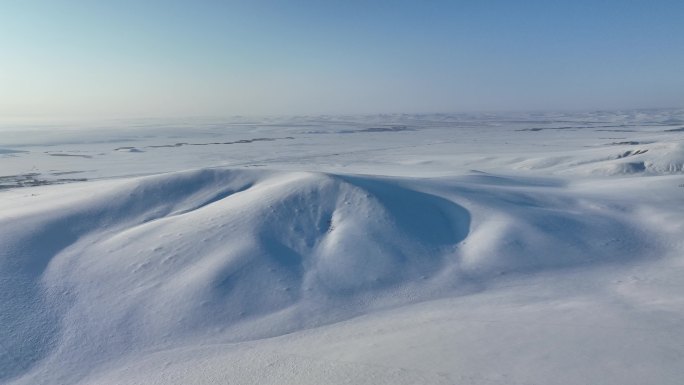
176	58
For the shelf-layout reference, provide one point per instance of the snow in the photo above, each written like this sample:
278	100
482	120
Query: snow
397	249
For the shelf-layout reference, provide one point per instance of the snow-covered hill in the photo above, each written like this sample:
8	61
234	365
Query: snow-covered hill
533	272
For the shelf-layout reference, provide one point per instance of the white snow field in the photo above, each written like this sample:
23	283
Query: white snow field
391	249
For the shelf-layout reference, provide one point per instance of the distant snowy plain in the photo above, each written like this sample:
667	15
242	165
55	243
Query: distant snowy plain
386	249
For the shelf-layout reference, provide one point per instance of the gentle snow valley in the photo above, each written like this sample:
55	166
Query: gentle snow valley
481	249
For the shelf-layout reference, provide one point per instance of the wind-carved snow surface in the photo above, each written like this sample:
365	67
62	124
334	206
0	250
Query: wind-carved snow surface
534	271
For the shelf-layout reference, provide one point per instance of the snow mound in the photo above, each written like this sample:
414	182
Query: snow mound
198	252
223	255
658	158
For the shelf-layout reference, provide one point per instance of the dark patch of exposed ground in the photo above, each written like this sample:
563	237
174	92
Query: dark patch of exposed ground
180	144
32	179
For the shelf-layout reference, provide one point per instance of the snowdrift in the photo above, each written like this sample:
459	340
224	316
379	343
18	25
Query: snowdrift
95	271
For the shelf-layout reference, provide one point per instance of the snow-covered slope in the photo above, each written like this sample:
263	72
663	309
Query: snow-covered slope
238	275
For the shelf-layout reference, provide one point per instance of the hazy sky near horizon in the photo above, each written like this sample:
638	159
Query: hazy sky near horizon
174	58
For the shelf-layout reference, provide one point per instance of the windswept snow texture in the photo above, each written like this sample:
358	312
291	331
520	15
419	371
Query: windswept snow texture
394	249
